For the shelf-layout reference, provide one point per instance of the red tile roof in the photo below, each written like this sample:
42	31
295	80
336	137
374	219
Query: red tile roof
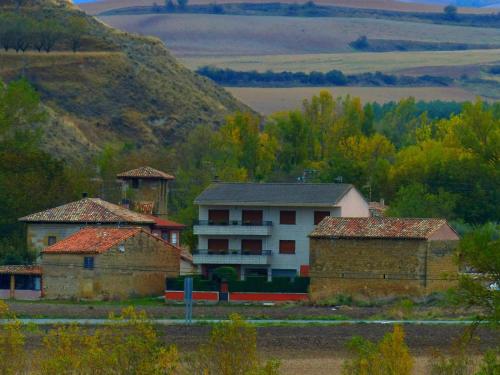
145	172
89	210
20	270
92	240
165	223
377	227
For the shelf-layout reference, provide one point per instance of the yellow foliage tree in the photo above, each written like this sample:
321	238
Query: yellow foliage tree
232	350
389	357
12	340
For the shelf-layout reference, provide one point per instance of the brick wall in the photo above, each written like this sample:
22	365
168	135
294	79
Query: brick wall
379	268
140	270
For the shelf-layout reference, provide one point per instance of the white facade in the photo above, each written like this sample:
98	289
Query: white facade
270	232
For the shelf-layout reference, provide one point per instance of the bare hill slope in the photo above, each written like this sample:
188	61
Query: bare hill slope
119	88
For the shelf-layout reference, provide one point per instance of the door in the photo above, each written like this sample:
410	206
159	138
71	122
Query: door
251	217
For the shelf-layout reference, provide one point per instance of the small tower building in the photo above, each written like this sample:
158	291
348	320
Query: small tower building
146	190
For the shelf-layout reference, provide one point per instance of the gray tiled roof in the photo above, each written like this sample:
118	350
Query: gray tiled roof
273	194
88	210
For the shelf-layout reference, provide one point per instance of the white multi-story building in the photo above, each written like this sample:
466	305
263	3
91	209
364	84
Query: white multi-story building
262	228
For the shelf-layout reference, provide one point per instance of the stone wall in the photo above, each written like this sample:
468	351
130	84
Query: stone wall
376	268
138	271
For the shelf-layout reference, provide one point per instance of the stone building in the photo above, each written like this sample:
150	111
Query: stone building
146	190
381	257
47	227
108	263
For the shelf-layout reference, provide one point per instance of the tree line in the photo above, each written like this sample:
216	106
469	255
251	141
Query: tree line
229	77
21	32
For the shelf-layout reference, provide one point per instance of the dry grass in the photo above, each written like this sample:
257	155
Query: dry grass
101	6
350	63
198	35
270	100
332	365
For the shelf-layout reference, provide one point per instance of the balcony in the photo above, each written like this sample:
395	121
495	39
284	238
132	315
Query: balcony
204	256
232	228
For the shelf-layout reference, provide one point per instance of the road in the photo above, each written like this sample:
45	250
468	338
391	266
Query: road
299	322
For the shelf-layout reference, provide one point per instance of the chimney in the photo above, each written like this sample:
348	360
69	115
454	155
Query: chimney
382	202
125	203
85	194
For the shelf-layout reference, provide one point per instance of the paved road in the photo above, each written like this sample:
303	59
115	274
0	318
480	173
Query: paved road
168	322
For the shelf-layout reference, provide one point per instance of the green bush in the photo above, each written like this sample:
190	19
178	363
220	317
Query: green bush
199	284
277	285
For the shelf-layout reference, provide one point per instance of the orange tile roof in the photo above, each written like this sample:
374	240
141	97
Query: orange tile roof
145	172
166	223
377	227
21	270
89	210
92	240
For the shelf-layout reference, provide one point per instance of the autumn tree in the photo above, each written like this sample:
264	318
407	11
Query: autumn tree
12	341
231	350
388	357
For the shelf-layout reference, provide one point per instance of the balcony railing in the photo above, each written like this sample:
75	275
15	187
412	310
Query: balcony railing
251	257
234	222
232	228
231	252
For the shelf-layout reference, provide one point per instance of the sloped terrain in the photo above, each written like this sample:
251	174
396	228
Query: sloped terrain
119	88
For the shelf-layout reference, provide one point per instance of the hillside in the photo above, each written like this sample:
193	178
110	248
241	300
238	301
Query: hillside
96	7
117	88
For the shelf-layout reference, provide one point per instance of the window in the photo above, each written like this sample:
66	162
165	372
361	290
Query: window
173	238
251	247
320	215
218	217
51	240
251	217
135	183
287	247
88	263
216	245
164	236
287	217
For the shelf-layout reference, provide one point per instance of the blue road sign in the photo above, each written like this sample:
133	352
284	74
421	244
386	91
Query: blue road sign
188	298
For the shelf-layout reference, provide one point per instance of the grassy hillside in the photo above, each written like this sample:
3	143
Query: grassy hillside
119	88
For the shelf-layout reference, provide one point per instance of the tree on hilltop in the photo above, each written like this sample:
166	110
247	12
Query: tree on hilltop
450	12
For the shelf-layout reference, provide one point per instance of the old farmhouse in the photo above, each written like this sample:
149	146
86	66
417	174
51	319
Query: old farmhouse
108	263
378	257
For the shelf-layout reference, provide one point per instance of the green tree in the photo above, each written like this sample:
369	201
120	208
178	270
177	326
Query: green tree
478	251
450	12
182	3
416	201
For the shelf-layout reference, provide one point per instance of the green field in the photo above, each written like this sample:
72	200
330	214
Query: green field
349	63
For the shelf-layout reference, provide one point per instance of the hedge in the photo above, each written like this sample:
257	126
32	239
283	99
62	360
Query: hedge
277	285
199	284
251	284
